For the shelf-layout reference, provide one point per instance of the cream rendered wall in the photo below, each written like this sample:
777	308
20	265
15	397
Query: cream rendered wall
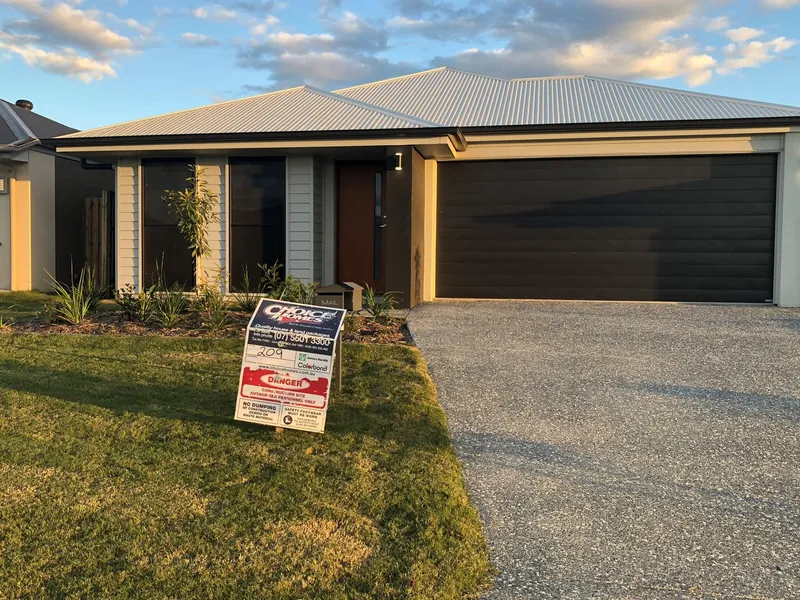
127	216
32	216
300	219
215	174
787	235
42	171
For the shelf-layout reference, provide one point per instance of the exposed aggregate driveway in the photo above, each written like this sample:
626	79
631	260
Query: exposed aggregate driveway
626	450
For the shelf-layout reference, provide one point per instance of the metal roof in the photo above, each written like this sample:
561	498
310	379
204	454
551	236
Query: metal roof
296	109
21	126
455	98
13	129
443	98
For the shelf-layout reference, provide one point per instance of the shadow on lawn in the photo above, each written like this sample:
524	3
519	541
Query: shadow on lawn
362	410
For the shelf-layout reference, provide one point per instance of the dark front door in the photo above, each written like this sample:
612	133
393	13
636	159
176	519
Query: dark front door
685	228
361	214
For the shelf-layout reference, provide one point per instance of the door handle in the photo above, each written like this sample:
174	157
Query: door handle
382	226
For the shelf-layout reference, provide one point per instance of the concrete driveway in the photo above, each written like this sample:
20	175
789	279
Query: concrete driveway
626	450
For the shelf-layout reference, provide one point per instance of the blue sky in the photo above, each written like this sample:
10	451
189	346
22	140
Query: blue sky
89	63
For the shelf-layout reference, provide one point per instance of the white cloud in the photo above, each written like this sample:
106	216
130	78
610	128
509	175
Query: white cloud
65	62
752	54
780	3
406	22
265	25
214	12
198	40
743	34
144	30
718	23
59	38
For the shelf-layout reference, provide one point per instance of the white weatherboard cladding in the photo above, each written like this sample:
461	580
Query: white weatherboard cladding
215	173
300	219
318	229
127	195
787	240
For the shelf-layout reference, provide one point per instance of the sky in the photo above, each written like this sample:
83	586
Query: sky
89	63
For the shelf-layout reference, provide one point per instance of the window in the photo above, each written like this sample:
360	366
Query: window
258	216
161	238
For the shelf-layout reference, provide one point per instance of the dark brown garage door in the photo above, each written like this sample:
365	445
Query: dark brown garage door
691	228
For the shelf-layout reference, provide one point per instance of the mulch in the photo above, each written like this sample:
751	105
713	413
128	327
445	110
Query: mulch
358	329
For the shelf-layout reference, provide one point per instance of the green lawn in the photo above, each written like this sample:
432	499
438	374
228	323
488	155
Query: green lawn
123	475
22	306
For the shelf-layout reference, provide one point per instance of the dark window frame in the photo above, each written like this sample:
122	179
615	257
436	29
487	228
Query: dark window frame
156	219
251	228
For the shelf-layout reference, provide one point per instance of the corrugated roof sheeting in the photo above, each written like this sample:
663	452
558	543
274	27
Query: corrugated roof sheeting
448	98
455	98
297	109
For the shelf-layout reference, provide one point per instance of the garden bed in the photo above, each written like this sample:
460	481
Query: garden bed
110	321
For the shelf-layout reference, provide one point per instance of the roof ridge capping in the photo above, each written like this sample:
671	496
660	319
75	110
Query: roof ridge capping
661	88
15	123
406	76
184	110
366	105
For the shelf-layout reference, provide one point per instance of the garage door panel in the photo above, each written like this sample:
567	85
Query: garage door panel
457	247
508	223
644	175
448	236
606	293
467	197
572	189
461	272
668	228
658	207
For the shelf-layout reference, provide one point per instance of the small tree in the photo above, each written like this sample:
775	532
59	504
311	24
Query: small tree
195	208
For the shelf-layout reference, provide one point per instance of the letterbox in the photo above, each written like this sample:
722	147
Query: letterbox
340	295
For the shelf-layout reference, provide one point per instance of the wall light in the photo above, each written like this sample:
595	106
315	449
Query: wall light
395	162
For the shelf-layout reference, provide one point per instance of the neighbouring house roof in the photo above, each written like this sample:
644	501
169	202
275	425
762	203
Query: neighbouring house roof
446	98
19	127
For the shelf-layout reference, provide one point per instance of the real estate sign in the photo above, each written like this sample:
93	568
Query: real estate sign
287	365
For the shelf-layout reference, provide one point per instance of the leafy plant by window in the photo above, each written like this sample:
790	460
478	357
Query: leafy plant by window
135	307
169	302
271	280
76	300
380	305
289	289
211	306
195	208
247	295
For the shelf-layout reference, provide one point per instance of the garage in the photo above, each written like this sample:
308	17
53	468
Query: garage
673	228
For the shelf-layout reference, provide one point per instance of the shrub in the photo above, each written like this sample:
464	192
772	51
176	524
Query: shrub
74	301
289	289
168	301
135	307
295	290
271	281
196	209
211	306
379	306
246	296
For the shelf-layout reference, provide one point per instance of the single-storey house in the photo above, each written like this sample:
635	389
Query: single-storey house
41	200
447	184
